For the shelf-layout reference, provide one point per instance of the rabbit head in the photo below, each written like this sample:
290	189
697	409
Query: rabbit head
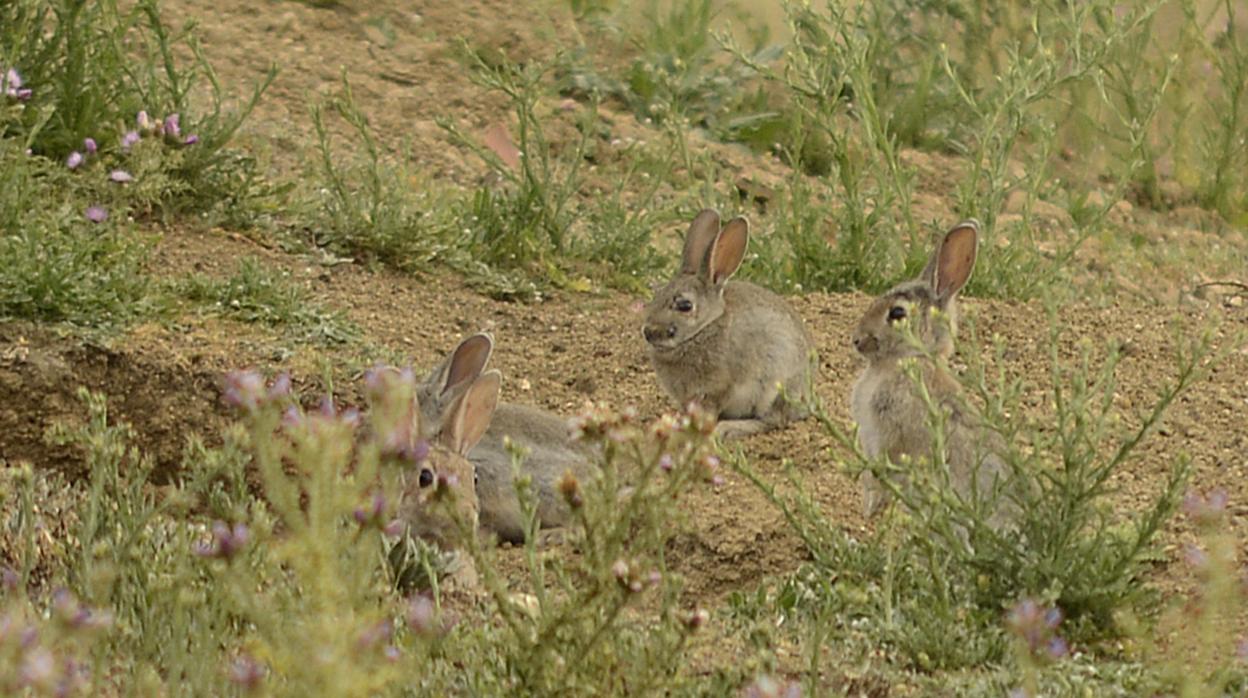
694	298
446	472
450	379
928	303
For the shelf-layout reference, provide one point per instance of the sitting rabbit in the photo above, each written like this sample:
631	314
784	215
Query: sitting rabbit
738	349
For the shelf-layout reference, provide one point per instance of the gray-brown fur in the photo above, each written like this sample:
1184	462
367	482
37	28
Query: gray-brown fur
730	345
467	417
892	417
543	435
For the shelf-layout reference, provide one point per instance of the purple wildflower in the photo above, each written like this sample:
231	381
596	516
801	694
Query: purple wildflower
292	418
380	632
77	616
1036	626
173	128
281	386
1197	558
120	176
422	618
96	214
696	619
418	453
88	144
244	389
191	139
128	140
10	580
13	86
768	687
374	513
227	541
144	122
1206	510
447	482
246	672
666	463
74	160
38	669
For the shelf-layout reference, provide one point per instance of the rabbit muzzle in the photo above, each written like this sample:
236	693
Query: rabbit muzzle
660	336
866	344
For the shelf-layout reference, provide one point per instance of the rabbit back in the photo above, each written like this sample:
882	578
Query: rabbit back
551	453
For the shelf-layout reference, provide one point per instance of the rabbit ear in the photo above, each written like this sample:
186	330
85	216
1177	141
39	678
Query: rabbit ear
951	264
467	361
471	413
698	240
727	251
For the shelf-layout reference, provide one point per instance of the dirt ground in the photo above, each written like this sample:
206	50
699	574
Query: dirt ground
163	377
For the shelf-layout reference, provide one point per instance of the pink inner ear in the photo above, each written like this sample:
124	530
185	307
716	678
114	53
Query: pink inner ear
729	250
468	361
957	258
473	411
698	240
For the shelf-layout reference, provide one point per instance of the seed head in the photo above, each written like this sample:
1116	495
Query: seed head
227	541
570	488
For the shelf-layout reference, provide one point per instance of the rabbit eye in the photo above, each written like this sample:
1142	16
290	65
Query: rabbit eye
683	305
896	313
426	477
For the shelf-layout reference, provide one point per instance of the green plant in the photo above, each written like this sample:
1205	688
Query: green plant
944	570
1224	186
56	265
257	293
90	74
370	205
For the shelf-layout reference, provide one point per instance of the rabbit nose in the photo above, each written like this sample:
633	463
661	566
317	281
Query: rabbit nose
865	344
654	334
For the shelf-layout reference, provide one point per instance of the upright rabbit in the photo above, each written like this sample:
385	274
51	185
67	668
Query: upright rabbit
730	345
545	437
447	472
892	417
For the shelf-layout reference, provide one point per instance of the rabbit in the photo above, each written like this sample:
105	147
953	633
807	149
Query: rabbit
543	435
446	469
892	418
730	345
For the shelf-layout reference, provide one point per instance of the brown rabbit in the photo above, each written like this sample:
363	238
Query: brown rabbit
543	435
892	418
730	345
447	472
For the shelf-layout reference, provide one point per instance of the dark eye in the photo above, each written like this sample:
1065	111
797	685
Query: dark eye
896	313
426	477
684	305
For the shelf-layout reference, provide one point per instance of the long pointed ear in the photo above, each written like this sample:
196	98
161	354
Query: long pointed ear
698	240
471	413
467	361
727	251
954	259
